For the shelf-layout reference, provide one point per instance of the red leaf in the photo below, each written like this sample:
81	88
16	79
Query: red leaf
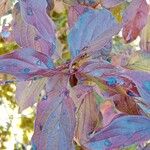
135	18
127	105
88	117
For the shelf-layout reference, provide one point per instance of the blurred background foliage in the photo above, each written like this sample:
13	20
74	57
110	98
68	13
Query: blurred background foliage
16	128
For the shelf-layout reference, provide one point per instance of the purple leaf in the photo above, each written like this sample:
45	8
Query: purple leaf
97	68
27	36
25	63
134	19
34	13
28	92
121	132
86	36
57	82
55	123
111	3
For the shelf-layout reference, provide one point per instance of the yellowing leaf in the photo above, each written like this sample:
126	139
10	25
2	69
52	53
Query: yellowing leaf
117	11
139	61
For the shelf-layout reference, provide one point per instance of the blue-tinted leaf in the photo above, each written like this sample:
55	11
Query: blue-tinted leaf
121	132
93	30
55	123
